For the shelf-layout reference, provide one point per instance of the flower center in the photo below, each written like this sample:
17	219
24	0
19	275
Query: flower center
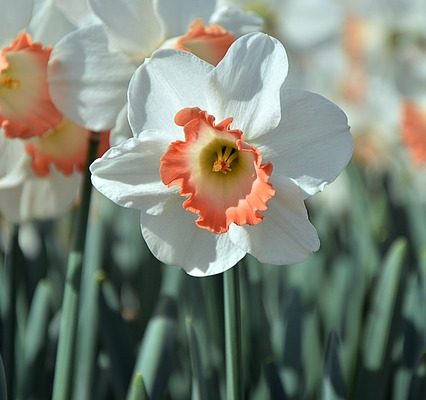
225	157
9	83
222	177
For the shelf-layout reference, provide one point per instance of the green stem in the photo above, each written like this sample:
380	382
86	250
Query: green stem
69	317
231	293
11	265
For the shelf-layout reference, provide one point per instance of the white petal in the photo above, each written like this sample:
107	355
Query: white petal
246	84
312	144
39	198
121	131
14	17
78	12
14	162
128	174
162	86
322	21
88	83
176	16
174	239
237	21
132	24
285	236
48	24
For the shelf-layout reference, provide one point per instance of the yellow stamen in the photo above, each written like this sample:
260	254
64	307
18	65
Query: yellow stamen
9	83
225	156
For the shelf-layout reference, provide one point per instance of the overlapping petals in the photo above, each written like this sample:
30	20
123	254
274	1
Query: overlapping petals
91	68
305	138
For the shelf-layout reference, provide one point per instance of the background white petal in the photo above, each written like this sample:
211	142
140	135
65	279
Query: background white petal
78	12
14	17
48	23
174	239
246	84
39	198
310	23
131	24
168	82
236	20
312	144
128	174
285	236
176	16
14	162
88	83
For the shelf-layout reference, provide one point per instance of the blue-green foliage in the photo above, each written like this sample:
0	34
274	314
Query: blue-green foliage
349	323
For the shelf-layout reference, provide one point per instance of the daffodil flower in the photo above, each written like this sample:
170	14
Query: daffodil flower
90	69
43	153
223	157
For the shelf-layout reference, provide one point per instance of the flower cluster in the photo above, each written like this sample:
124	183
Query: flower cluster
209	143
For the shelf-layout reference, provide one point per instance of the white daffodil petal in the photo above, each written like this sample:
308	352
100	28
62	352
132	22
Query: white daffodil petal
48	23
121	131
174	239
176	16
246	84
128	174
39	198
88	83
14	17
132	24
236	20
168	82
14	162
285	236
77	12
312	144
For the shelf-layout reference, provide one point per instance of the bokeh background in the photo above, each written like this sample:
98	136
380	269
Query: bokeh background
349	323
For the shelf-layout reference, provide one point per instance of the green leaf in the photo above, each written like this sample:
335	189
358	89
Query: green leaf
116	338
382	330
137	389
35	340
3	388
157	347
199	385
384	301
418	381
273	380
334	387
87	330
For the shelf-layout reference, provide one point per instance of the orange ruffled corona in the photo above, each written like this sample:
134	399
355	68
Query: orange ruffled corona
223	177
414	131
65	147
26	108
209	43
